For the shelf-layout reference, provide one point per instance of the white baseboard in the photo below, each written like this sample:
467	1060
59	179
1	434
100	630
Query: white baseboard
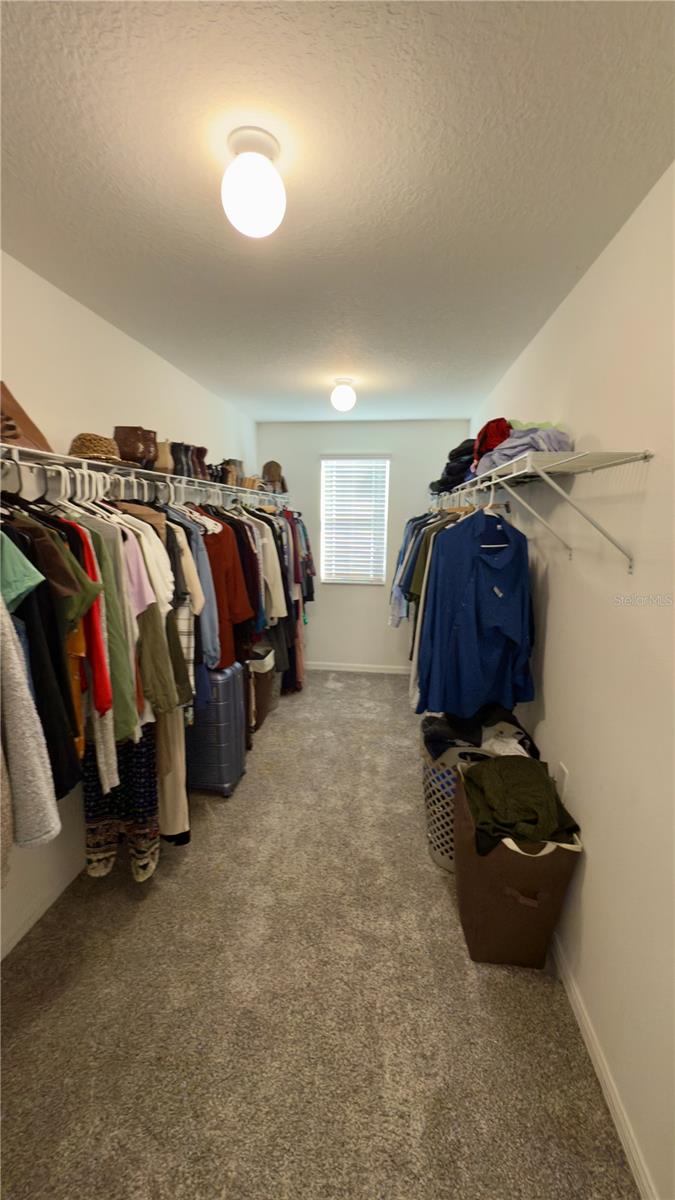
620	1117
367	668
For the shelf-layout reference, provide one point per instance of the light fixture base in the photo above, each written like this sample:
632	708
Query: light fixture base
251	139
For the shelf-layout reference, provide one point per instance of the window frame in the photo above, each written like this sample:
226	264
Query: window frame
336	458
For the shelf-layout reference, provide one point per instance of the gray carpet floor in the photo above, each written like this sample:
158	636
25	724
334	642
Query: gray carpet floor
288	1012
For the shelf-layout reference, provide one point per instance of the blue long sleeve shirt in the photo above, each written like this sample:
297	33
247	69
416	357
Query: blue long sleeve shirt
475	639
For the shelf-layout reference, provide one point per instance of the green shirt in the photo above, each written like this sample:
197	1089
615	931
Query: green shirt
18	576
123	684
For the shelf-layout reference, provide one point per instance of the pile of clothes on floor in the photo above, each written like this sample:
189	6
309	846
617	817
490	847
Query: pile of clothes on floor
508	789
499	441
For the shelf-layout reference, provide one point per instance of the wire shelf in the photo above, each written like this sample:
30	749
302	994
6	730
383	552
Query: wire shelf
538	466
526	468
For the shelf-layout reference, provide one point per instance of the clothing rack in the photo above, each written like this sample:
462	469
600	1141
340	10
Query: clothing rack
94	479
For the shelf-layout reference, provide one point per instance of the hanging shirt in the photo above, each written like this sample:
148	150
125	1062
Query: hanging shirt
273	588
190	572
125	718
156	560
58	722
208	617
398	605
114	536
96	632
18	576
230	587
413	689
475	643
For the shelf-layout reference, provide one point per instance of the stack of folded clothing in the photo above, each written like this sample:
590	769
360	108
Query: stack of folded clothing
498	442
455	470
519	441
515	797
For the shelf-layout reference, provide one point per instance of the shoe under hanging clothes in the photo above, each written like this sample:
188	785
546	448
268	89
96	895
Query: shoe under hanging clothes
476	633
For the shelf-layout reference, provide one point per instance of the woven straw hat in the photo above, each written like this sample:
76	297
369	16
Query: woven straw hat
95	445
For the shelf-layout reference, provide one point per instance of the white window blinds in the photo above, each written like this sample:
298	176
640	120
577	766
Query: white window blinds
354	500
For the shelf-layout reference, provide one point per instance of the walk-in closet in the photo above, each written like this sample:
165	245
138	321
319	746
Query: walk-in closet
336	628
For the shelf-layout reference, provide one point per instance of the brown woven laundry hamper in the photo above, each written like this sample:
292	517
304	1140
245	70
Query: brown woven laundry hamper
510	899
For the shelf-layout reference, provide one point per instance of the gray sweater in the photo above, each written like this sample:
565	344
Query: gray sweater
29	803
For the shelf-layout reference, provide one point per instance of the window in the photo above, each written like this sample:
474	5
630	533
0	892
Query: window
354	499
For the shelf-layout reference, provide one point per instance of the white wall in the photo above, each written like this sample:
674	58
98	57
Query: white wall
348	623
603	364
73	372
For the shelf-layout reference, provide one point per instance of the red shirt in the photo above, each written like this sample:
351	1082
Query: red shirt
93	632
230	587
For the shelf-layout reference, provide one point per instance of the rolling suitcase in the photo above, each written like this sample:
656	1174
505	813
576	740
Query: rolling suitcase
216	743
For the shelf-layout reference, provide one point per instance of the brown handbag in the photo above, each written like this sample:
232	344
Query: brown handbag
17	426
130	442
150	445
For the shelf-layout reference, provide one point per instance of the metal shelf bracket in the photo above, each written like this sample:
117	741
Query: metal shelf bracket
542	520
586	516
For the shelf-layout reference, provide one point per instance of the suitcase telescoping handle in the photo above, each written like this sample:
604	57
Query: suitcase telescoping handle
528	901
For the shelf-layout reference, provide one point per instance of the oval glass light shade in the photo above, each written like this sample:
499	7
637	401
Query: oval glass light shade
343	397
253	195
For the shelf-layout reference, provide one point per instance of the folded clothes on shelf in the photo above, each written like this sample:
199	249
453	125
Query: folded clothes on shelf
522	440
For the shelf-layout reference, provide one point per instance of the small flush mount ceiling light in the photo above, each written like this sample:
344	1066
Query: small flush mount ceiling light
252	191
343	396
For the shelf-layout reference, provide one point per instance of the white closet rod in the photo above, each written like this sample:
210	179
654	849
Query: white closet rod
120	471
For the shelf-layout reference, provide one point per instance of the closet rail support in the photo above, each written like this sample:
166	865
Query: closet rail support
586	516
512	492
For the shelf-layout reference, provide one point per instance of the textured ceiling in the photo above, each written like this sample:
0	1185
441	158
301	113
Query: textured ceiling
451	169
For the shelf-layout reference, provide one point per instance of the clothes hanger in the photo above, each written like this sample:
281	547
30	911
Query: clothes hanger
489	513
489	507
86	490
62	478
27	490
32	482
11	475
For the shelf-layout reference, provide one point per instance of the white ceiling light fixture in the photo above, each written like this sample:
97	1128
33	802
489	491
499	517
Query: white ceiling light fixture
252	191
343	396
